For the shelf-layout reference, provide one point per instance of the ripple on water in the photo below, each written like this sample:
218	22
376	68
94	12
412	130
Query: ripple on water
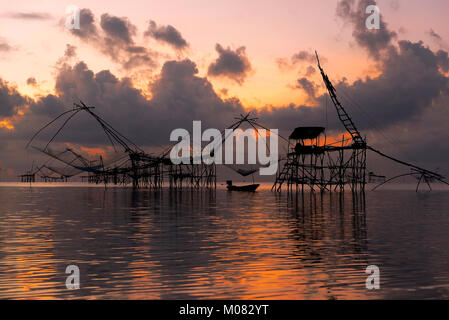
221	245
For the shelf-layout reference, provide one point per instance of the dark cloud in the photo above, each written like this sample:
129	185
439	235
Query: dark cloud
10	99
118	29
138	60
70	51
427	133
409	83
232	64
115	38
403	97
119	44
409	92
303	56
88	29
435	35
180	93
374	41
43	109
178	97
167	34
436	38
31	81
69	54
29	15
308	86
443	61
4	46
310	71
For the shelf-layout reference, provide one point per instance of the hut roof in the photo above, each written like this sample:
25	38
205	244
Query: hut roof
306	133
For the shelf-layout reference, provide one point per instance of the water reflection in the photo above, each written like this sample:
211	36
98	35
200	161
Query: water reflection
216	244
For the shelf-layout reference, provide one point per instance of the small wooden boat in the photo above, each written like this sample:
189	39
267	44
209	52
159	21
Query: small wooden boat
247	188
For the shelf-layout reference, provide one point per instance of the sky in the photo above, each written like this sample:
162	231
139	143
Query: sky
152	66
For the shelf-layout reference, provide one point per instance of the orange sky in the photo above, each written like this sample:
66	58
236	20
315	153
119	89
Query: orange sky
269	30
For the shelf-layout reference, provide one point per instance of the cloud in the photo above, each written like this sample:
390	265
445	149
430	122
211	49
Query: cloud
31	81
301	57
178	96
179	91
114	37
4	46
409	82
310	71
10	99
232	64
408	89
283	64
118	29
88	29
425	138
70	51
435	35
28	15
443	61
410	78
69	54
374	41
167	34
436	38
308	86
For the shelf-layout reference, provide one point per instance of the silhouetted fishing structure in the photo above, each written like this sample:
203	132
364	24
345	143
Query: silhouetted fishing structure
313	163
135	166
47	173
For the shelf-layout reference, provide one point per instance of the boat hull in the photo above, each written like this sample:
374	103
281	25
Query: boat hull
245	188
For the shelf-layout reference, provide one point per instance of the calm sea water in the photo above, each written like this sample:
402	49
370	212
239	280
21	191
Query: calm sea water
221	245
